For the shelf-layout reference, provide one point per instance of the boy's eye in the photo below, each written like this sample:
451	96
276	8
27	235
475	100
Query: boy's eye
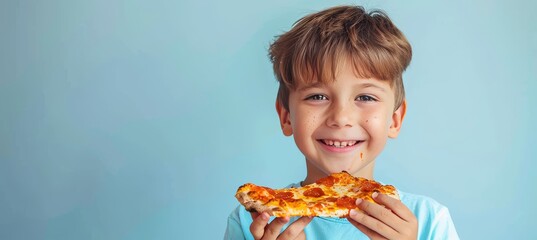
317	97
365	98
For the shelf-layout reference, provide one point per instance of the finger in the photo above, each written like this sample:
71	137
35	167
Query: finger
373	224
380	213
395	206
368	232
410	223
257	228
301	236
274	228
295	229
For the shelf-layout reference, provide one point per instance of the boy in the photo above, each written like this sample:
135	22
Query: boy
341	96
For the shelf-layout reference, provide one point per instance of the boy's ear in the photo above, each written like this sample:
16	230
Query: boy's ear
397	120
285	122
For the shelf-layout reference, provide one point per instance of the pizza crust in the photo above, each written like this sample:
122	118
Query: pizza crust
253	205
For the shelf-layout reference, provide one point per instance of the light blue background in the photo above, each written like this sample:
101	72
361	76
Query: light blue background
138	120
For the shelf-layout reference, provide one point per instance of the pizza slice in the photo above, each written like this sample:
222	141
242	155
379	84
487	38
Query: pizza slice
331	196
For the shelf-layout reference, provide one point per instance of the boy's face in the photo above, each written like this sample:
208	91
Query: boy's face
342	125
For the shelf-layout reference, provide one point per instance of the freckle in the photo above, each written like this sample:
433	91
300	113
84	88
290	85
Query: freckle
367	120
361	156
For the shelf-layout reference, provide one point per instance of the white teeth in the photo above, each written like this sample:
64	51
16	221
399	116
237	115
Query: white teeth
339	144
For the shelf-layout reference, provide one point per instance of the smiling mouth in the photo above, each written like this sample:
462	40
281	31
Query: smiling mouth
339	144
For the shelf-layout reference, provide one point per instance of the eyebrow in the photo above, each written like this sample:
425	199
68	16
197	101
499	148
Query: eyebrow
368	85
361	85
313	85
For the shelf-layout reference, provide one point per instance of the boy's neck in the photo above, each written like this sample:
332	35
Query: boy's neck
315	173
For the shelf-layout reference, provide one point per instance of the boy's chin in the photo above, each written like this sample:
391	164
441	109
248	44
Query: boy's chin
337	169
361	170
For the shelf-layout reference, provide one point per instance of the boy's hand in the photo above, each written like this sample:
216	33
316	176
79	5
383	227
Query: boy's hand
391	221
261	229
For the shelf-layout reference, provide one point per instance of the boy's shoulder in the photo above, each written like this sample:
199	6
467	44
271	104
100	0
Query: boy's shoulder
412	201
424	208
434	218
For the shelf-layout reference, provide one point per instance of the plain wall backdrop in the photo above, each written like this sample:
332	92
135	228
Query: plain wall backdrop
139	119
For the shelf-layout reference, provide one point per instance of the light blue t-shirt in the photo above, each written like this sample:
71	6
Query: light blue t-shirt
434	222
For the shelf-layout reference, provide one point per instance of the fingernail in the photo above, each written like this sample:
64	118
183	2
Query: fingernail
358	201
353	213
264	216
375	194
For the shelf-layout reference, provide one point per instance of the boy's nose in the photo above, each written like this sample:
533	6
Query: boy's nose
341	115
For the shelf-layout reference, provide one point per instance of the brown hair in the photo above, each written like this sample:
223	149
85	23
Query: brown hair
318	43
